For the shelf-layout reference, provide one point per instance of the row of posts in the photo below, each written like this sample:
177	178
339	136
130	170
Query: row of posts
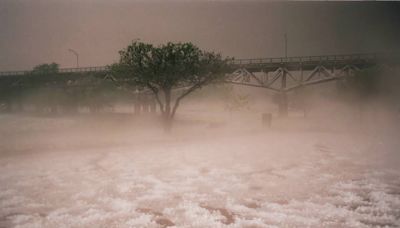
144	104
141	104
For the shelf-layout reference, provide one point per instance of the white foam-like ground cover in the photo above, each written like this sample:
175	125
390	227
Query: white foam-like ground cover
263	178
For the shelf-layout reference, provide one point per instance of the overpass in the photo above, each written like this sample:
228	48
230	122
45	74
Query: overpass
281	74
301	70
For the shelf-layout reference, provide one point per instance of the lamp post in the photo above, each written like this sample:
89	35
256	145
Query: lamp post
285	45
77	56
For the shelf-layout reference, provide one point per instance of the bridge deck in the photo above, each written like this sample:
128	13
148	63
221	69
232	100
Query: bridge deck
310	61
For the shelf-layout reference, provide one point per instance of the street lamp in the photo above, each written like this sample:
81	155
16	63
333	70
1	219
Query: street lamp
77	56
285	45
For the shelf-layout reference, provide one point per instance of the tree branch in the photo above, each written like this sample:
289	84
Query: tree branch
187	92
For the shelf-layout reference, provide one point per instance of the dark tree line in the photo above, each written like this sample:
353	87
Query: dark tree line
43	90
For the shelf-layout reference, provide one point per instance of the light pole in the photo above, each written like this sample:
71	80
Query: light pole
77	56
285	45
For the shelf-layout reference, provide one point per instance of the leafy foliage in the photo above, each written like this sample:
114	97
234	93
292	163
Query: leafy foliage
45	68
168	66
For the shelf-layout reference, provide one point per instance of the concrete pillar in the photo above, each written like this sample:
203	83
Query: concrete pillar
283	100
283	104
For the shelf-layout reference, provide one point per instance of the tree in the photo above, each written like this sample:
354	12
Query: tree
46	68
41	92
166	67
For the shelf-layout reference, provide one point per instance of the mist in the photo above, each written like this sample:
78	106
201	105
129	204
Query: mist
78	149
35	32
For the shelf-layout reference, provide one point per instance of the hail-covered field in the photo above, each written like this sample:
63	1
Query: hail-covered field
118	172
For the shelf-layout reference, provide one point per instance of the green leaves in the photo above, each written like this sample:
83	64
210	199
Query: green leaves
170	64
165	67
45	68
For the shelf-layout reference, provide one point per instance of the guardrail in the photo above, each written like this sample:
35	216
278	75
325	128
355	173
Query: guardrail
83	69
304	59
60	71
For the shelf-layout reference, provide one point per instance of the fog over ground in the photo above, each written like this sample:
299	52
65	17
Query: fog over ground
217	168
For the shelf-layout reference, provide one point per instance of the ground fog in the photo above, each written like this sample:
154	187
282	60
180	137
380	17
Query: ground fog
215	169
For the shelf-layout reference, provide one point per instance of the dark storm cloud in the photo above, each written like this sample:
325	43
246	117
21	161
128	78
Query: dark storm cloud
33	32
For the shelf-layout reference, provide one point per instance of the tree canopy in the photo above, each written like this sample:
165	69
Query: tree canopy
169	66
46	68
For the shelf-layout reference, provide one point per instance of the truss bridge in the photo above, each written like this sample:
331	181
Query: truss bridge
278	74
286	74
281	74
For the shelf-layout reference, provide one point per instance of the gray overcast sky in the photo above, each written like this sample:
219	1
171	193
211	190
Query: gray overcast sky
34	32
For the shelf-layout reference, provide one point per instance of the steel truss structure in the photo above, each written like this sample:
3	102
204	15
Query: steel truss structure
286	74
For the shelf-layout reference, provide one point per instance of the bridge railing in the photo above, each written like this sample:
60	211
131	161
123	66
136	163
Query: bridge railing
61	70
303	59
83	69
12	73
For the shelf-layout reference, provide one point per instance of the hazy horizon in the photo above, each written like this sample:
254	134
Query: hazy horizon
35	32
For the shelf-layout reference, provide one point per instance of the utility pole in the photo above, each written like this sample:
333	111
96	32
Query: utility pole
285	45
77	56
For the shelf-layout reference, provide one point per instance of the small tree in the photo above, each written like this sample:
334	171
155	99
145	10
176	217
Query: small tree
45	97
46	68
168	66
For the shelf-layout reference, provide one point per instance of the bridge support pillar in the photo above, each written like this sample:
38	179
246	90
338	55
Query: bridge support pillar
283	105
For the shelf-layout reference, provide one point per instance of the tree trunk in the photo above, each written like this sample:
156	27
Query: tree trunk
167	93
167	115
